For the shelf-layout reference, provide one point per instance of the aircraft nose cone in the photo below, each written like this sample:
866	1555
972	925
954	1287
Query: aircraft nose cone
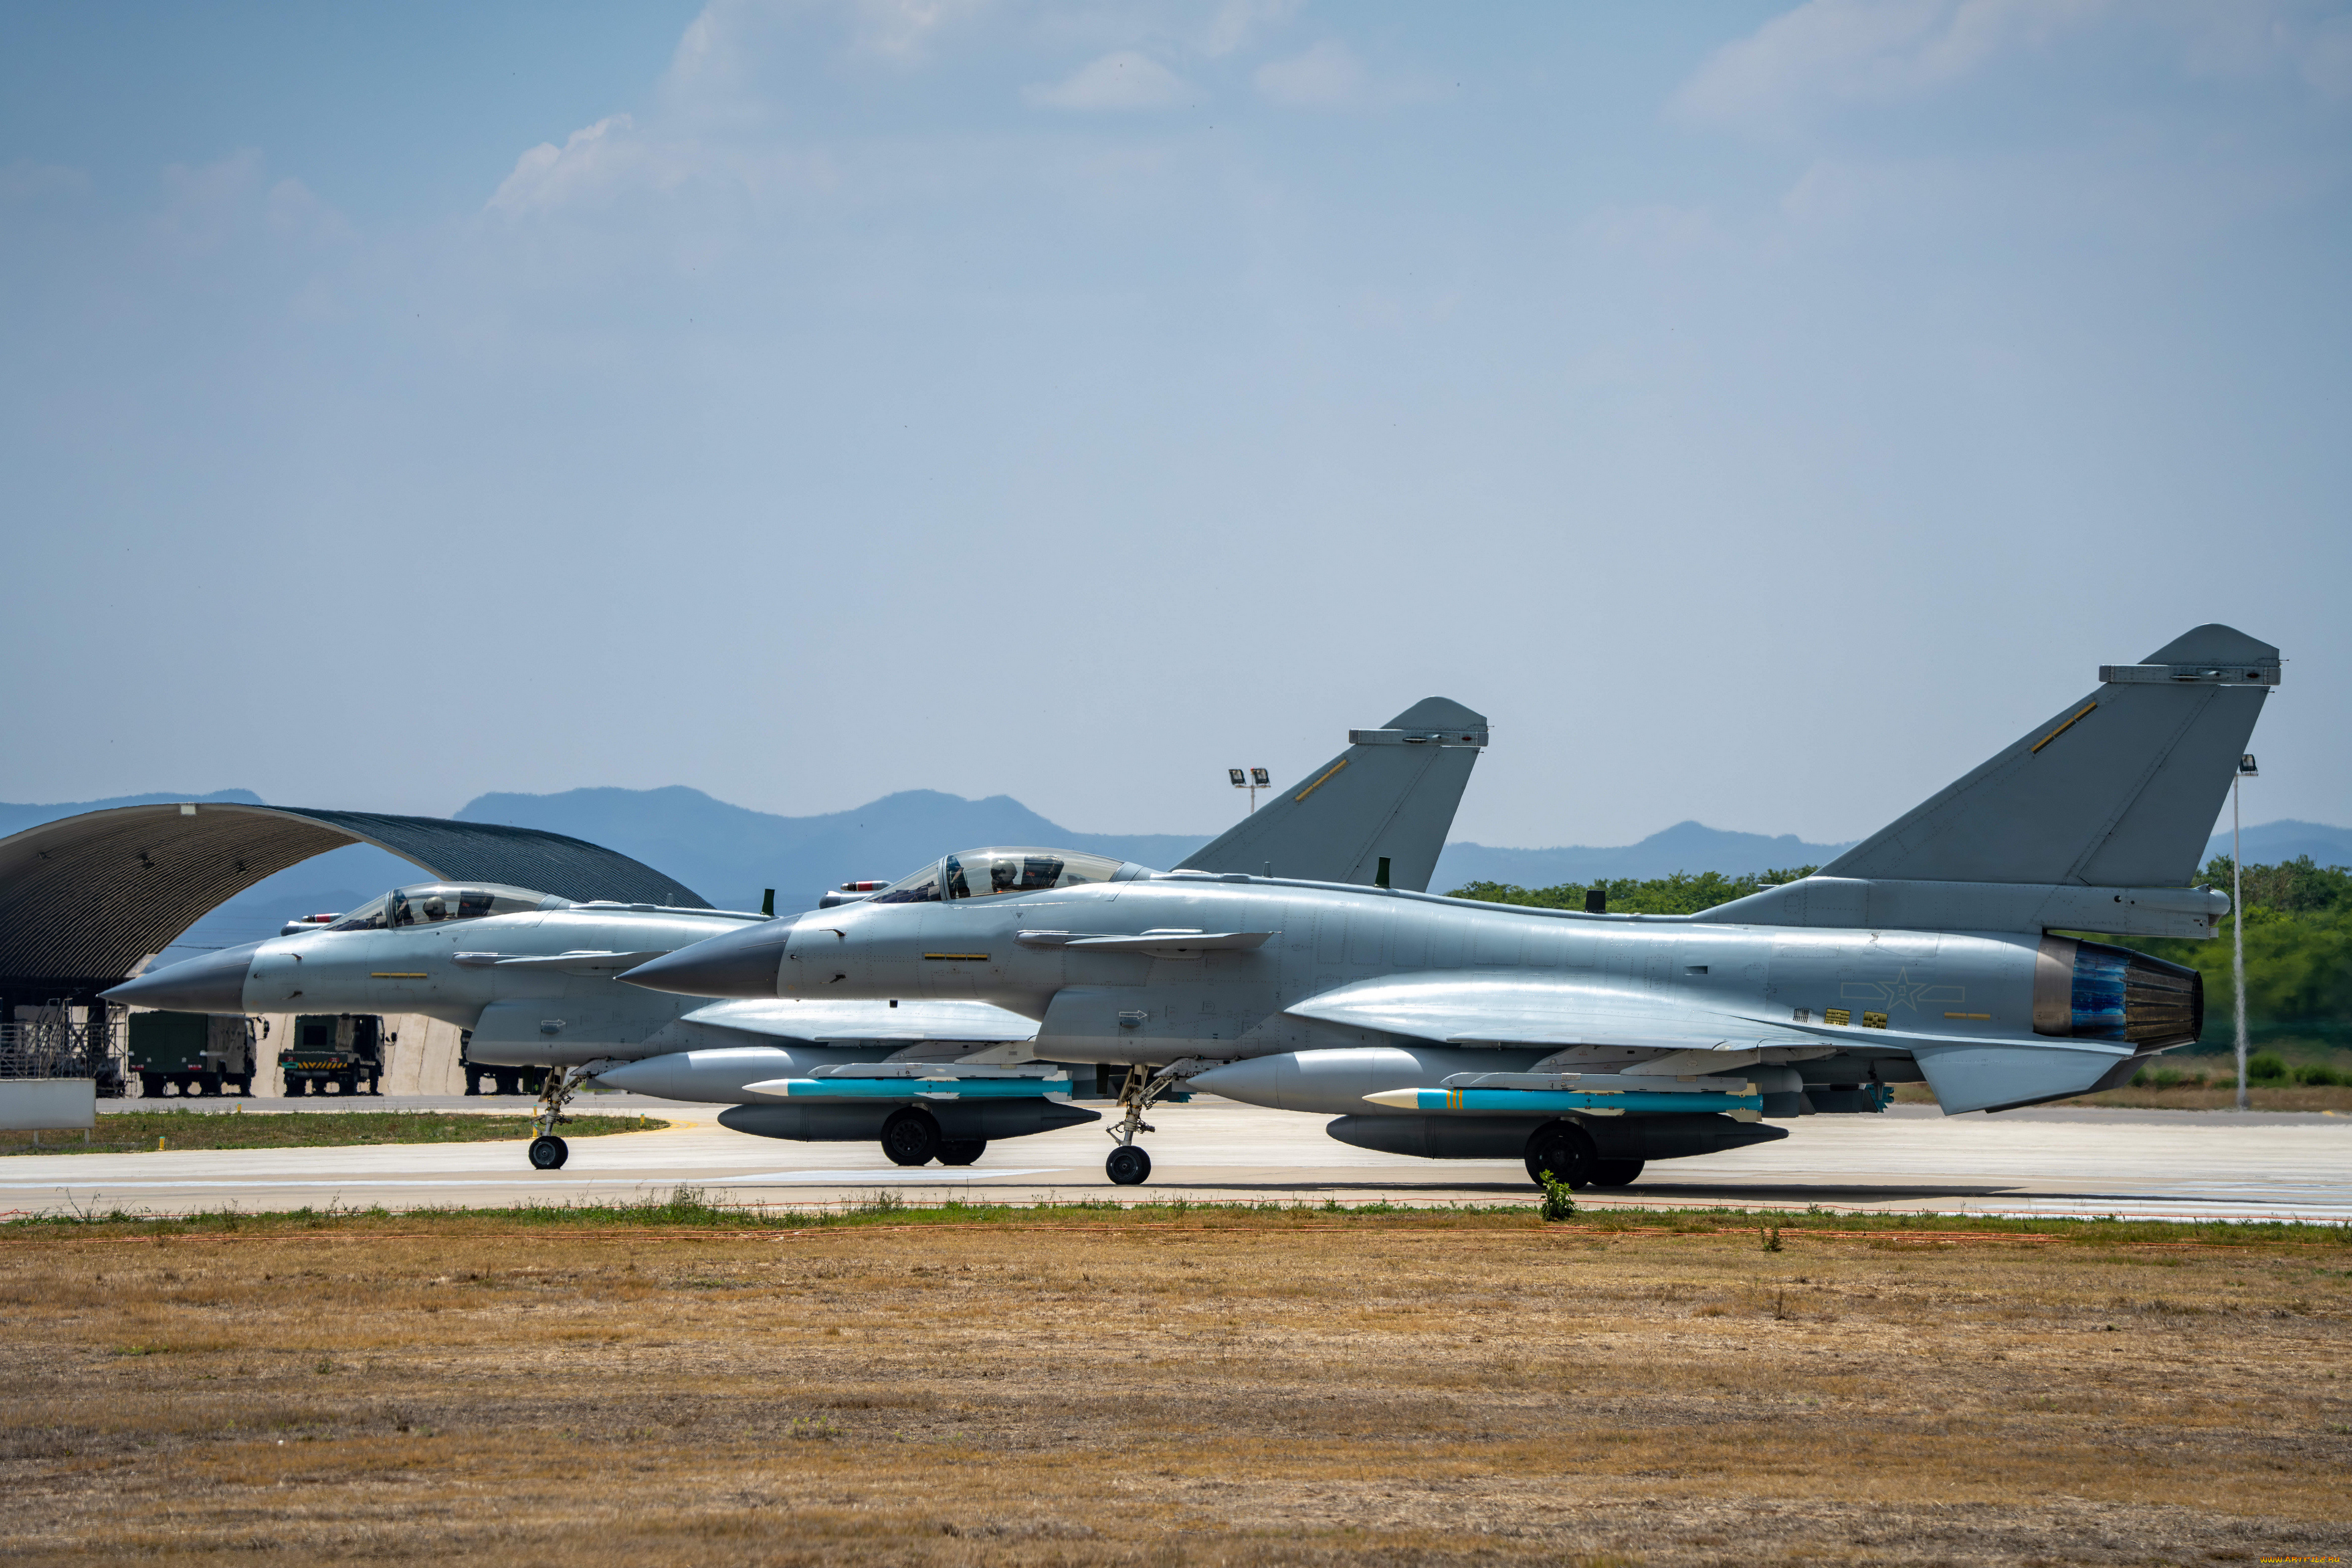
741	963
212	983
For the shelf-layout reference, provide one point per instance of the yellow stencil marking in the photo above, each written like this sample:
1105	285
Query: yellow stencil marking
385	975
1311	789
2061	729
1986	1015
1837	1015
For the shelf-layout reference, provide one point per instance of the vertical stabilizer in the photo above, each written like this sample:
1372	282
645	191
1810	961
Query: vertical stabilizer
2119	788
1390	796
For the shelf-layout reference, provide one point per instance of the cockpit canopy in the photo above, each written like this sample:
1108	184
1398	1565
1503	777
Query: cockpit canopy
437	903
986	873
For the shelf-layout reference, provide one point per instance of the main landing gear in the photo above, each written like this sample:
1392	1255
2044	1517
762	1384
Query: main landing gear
1567	1151
911	1137
1129	1165
548	1151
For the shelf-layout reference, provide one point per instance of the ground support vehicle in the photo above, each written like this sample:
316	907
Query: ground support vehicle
197	1053
343	1049
502	1079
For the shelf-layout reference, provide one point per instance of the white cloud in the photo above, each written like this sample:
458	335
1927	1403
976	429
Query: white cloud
1125	79
295	211
905	29
2327	63
551	176
1236	24
1327	75
1830	52
202	205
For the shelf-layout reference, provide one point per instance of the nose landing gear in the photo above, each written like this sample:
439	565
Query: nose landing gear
548	1151
1129	1166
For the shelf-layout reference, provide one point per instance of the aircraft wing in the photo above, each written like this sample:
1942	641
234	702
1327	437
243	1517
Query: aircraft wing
1506	1007
853	1023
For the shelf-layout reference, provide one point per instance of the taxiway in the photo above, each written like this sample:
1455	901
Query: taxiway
2169	1165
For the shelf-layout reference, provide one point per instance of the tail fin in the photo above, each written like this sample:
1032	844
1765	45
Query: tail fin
1390	796
2117	789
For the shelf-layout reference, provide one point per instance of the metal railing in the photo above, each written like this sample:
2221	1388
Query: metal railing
53	1045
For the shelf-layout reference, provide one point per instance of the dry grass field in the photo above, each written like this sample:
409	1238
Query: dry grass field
1168	1387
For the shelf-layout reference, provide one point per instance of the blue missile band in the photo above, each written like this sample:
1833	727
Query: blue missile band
913	1088
1631	1101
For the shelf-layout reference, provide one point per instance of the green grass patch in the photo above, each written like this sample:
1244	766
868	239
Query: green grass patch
130	1131
689	1208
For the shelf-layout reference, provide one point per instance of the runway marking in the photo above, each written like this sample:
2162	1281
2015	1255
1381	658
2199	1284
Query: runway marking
825	1178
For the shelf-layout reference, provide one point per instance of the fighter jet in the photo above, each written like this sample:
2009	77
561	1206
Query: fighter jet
1586	1043
532	977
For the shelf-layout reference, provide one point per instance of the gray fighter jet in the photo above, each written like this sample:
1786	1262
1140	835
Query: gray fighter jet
533	978
1588	1043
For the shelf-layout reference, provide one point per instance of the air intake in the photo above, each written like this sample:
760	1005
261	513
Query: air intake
2092	991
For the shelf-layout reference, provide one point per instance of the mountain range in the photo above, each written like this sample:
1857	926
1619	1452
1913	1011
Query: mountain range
730	853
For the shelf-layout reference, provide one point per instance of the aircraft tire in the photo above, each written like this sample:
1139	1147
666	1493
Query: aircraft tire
1616	1173
1127	1166
548	1154
961	1151
1566	1150
910	1138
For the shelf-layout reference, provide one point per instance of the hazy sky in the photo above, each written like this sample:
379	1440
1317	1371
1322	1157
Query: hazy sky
1762	414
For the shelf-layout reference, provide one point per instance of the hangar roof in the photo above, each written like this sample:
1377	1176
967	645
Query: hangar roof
92	895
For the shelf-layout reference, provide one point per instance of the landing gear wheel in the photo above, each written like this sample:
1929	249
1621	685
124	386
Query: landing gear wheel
910	1138
549	1153
1616	1172
1127	1166
1566	1150
961	1151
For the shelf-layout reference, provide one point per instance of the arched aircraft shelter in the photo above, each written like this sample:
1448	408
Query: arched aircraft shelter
84	898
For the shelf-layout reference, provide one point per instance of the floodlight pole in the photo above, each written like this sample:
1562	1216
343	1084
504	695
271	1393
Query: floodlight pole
2238	929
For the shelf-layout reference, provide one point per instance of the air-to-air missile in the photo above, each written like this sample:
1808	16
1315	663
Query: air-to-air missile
532	978
1452	1029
